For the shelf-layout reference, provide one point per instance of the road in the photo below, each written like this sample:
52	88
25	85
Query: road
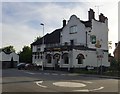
14	80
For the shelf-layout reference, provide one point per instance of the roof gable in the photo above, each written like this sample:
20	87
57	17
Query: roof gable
86	23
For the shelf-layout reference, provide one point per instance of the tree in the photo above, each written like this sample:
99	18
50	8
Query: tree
8	49
25	55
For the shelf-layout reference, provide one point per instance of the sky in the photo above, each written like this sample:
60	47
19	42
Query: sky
20	21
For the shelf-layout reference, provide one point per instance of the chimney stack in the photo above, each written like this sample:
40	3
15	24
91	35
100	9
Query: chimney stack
91	14
116	44
64	23
102	18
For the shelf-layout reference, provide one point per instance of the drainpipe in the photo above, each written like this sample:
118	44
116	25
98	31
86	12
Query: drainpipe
86	38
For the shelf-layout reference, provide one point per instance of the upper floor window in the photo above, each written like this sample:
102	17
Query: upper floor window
93	39
38	49
73	29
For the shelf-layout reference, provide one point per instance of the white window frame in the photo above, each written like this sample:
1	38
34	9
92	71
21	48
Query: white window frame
73	29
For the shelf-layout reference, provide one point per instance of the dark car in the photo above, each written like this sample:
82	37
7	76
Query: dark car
28	66
31	66
21	66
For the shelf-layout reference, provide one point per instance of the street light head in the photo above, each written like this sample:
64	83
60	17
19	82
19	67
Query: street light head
41	24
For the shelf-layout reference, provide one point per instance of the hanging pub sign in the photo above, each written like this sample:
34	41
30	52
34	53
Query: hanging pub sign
98	45
93	39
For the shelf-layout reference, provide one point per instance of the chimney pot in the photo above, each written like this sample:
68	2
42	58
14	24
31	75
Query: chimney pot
102	18
116	44
64	23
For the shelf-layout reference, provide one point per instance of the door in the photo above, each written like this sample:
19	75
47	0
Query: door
12	63
57	58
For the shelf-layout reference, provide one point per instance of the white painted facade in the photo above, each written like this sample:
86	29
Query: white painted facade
100	30
7	57
79	36
82	46
8	60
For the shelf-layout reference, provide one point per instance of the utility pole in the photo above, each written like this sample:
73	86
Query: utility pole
43	46
43	33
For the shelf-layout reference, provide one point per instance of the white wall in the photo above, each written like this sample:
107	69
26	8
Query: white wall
79	36
75	54
100	30
7	57
15	56
90	59
34	48
37	61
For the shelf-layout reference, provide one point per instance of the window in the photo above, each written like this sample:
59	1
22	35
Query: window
65	58
41	57
66	43
72	42
73	29
38	56
93	39
38	48
35	56
80	58
49	58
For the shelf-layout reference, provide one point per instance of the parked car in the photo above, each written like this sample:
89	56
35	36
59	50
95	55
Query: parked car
31	66
28	66
36	67
21	66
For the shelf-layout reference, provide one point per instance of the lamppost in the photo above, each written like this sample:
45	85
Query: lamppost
43	46
43	33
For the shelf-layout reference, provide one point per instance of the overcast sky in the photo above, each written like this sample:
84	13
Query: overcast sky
20	21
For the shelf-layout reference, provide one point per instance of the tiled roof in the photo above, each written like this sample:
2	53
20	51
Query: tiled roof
51	38
5	52
87	23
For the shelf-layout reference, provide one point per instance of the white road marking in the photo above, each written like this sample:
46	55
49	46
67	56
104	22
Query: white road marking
29	72
63	74
87	82
46	73
86	90
97	89
40	82
69	84
54	74
83	90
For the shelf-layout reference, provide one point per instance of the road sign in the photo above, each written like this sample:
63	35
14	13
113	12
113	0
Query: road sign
99	53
